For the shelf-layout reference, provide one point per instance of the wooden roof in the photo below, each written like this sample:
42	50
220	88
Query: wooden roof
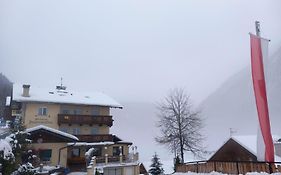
233	151
48	136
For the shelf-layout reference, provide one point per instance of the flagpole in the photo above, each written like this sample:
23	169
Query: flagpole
265	147
258	28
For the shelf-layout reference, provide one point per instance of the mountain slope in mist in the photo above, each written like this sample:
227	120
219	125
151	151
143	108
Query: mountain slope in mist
5	90
136	123
233	104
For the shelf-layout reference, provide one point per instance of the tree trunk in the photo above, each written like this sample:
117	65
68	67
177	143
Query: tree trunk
181	148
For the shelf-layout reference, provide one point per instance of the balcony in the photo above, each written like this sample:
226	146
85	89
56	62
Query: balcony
85	119
96	138
99	159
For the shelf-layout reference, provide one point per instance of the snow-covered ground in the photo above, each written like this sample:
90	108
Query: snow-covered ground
77	173
190	173
216	173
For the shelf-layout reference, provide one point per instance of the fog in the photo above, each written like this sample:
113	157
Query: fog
134	51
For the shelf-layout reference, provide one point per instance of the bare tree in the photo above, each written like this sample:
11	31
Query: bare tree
179	124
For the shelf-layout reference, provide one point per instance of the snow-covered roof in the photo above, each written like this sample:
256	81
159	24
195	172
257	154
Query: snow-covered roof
63	96
117	164
51	130
249	142
91	144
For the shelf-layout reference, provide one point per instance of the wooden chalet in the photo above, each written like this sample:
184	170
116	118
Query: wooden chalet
236	156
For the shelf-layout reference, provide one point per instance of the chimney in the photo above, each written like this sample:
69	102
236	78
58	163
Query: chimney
25	92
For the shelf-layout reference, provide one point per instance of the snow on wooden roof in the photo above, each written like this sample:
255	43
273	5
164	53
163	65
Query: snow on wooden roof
51	130
63	96
249	142
90	144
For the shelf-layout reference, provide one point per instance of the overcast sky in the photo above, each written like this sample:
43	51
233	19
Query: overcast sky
133	50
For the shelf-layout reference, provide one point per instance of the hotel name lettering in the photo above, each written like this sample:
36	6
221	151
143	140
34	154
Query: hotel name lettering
40	120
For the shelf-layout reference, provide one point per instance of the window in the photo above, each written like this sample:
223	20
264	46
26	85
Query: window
65	111
76	131
95	130
117	150
42	111
77	111
75	152
63	129
45	155
96	111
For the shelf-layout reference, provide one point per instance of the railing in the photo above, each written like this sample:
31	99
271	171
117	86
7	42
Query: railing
76	160
110	159
99	159
85	119
229	167
95	138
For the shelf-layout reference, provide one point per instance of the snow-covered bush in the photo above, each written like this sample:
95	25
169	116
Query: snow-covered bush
25	169
7	158
12	151
6	149
89	154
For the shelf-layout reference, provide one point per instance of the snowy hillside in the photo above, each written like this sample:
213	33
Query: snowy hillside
233	105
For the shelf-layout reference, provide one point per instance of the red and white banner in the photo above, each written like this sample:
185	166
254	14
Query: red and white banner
265	148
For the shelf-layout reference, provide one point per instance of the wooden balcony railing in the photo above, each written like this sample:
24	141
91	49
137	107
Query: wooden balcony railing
76	160
110	159
85	119
96	138
99	159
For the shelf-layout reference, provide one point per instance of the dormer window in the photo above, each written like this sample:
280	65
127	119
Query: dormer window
42	111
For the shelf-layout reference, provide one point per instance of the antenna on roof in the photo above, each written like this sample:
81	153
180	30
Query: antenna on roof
232	131
61	87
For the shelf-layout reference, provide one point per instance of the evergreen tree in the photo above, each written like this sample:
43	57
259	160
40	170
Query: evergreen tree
19	140
20	161
156	166
23	157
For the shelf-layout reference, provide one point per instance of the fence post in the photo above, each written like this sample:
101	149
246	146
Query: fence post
215	166
270	168
197	167
237	167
